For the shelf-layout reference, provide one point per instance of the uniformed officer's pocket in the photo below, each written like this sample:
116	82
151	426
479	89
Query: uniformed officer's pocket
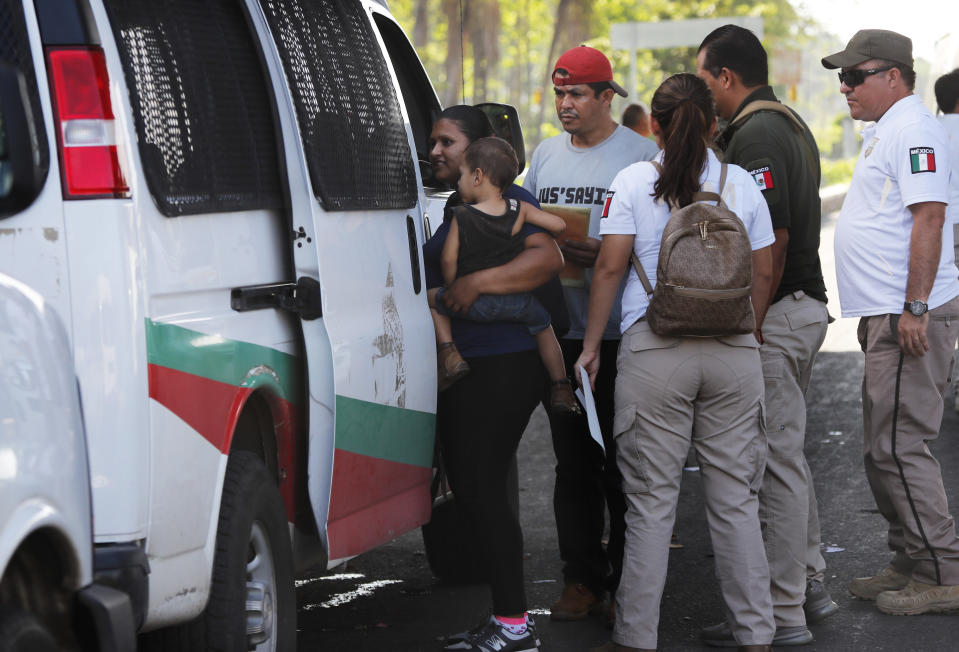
773	364
632	463
862	332
805	316
640	338
756	453
747	340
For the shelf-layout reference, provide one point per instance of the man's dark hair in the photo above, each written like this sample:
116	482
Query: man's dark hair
908	74
496	158
633	115
947	92
598	87
738	49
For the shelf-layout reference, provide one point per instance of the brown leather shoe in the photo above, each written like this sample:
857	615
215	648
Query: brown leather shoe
450	365
576	603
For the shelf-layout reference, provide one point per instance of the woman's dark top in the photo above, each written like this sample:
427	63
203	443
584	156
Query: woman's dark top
486	240
474	339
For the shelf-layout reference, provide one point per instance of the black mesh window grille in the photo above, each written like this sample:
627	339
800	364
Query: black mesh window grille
15	51
200	101
350	119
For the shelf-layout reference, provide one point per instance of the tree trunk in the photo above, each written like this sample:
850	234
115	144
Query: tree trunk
454	52
483	22
421	24
573	18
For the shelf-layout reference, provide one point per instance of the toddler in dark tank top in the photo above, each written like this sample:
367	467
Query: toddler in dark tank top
485	232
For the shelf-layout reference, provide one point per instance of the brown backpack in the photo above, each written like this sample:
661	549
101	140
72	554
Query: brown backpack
705	271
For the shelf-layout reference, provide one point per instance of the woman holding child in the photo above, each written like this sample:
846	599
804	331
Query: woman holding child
675	391
482	415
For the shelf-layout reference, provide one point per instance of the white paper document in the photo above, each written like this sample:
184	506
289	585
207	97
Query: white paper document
586	398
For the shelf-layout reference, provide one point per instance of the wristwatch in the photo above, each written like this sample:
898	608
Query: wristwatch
917	307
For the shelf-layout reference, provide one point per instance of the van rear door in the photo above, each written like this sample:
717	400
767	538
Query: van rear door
371	355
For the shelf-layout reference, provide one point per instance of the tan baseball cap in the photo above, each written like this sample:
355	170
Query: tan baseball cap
872	44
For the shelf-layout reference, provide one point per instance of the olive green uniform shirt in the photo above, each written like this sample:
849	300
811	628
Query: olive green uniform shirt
770	147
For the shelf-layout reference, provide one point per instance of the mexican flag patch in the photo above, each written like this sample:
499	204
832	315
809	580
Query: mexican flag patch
923	159
763	177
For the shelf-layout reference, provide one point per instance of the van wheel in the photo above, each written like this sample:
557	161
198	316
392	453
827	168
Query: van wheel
21	631
252	602
451	549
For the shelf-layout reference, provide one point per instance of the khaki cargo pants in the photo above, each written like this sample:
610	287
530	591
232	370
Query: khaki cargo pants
794	329
669	392
902	404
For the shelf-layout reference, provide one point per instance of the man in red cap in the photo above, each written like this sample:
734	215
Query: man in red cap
569	174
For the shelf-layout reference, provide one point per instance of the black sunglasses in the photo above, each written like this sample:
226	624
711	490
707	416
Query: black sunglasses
854	77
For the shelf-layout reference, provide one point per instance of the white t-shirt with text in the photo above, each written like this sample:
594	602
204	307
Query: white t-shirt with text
564	176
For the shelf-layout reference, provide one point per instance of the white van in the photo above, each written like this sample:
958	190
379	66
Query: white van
222	200
45	554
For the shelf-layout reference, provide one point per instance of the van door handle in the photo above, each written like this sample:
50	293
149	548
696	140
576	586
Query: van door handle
414	254
301	298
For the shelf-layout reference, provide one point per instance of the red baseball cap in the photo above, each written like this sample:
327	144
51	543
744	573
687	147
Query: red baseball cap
585	65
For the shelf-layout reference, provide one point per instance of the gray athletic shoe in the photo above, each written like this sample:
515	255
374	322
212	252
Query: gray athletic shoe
722	636
819	605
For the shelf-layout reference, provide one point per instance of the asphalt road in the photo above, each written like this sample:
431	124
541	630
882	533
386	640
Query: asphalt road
388	599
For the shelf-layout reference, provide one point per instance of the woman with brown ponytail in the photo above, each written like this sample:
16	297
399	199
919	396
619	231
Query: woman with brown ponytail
673	392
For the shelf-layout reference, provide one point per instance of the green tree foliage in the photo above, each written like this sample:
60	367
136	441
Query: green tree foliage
527	31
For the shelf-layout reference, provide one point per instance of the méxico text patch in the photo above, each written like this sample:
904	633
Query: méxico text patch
763	177
922	159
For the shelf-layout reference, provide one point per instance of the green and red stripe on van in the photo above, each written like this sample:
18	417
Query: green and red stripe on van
383	454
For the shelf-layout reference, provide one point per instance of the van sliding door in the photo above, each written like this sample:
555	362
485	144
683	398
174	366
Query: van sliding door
371	354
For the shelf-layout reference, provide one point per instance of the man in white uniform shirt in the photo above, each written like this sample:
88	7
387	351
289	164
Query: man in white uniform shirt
896	272
947	98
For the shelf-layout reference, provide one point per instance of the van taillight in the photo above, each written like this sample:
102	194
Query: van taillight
89	163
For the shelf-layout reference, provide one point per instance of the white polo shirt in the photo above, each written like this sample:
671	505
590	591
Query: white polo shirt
904	161
631	210
950	123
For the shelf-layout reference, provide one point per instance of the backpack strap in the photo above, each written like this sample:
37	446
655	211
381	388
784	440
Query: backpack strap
641	273
638	266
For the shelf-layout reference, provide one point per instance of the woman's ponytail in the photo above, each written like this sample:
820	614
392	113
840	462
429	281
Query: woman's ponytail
683	107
